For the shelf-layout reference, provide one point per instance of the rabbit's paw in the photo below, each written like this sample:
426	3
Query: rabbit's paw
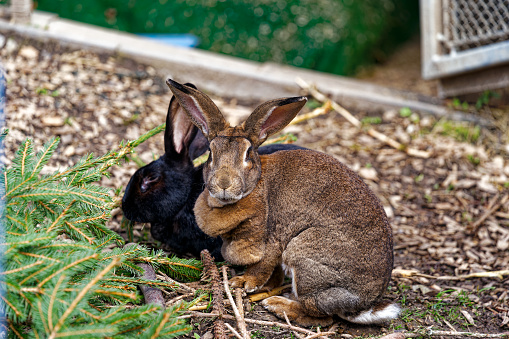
294	311
248	283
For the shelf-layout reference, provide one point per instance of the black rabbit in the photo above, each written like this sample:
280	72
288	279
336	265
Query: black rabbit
163	193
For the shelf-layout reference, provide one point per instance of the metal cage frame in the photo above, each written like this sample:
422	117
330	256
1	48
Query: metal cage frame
461	36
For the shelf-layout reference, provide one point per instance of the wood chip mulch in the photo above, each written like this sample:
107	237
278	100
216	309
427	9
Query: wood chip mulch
449	212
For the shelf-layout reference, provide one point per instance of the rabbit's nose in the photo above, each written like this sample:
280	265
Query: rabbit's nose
224	182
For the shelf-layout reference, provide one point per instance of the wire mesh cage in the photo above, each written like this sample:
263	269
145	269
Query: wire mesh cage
461	36
470	24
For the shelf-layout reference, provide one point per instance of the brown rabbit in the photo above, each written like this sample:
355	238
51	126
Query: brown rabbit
299	210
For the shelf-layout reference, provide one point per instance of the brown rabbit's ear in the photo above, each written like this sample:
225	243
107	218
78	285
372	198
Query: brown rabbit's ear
271	117
200	108
179	131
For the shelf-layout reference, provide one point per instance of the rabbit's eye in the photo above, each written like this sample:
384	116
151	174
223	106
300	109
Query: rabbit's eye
211	158
148	182
247	157
152	178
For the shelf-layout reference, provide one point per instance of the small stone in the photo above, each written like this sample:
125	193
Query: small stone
503	243
13	44
368	173
390	115
389	211
52	121
485	186
424	289
69	150
66	139
29	52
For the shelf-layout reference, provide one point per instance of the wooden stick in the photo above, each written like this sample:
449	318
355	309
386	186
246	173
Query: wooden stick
240	321
288	322
265	295
399	273
492	207
429	332
152	295
239	301
319	335
468	317
199	307
180	297
433	333
162	276
354	121
235	333
252	298
282	139
450	325
250	321
324	109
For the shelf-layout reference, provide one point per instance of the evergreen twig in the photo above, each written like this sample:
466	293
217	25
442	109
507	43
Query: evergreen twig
63	272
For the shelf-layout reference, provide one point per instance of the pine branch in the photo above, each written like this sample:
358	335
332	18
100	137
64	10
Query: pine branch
59	279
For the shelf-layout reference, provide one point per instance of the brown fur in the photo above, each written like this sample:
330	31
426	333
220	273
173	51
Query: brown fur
301	209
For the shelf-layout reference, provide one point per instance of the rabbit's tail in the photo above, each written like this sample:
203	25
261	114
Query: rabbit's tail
379	313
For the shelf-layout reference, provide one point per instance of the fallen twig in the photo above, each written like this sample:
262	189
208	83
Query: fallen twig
318	335
210	271
492	208
252	298
151	294
395	335
468	317
239	301
235	333
288	322
240	320
324	109
253	321
287	138
450	325
434	333
265	295
400	273
180	285
180	297
356	122
201	307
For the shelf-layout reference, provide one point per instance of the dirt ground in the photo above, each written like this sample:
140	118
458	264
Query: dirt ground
449	211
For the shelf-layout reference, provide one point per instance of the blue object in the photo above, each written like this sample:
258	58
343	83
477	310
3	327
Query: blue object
180	40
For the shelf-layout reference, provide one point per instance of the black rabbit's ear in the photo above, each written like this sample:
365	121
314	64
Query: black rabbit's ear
198	146
200	108
271	117
179	132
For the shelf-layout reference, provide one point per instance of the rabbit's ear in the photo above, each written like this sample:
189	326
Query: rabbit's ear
179	132
271	117
200	108
199	145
